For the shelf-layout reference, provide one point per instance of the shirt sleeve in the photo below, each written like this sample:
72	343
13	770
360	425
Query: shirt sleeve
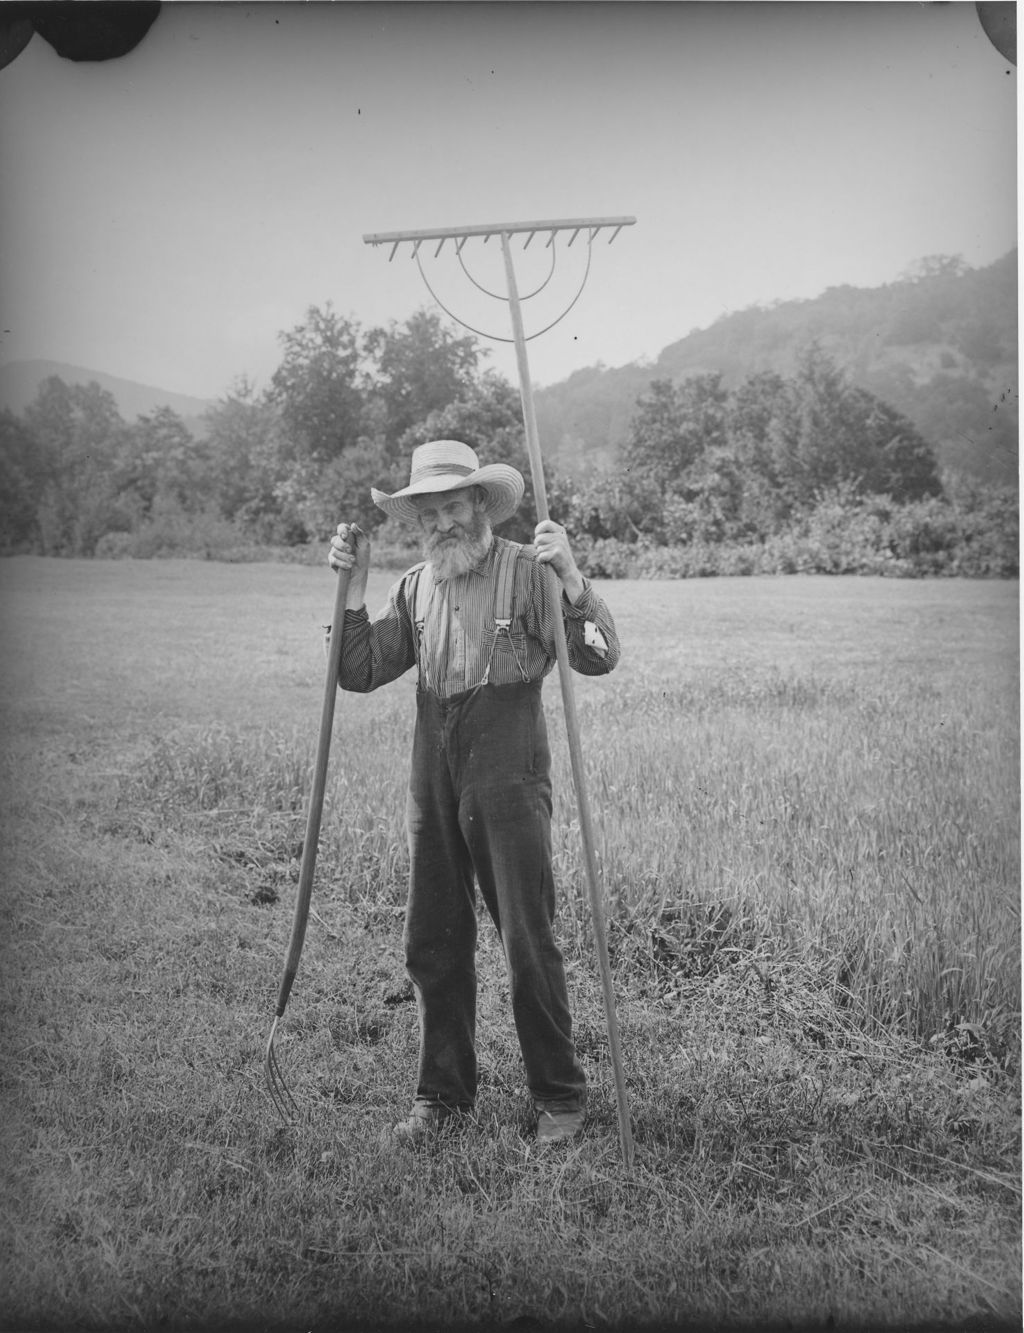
590	653
378	651
590	633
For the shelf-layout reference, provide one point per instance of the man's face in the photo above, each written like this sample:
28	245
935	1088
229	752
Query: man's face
456	530
447	516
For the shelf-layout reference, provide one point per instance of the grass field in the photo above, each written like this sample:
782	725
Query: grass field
807	797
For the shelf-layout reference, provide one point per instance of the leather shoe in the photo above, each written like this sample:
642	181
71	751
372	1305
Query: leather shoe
427	1119
555	1126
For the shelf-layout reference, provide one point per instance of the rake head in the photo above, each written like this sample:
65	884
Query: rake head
287	1107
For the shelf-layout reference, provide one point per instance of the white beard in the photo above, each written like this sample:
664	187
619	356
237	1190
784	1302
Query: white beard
448	559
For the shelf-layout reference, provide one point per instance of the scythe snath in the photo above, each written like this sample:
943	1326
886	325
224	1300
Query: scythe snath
282	1098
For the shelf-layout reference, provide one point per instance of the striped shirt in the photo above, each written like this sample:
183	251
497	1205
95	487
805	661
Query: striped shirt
459	631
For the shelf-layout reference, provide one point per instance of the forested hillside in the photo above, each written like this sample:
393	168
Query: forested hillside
939	345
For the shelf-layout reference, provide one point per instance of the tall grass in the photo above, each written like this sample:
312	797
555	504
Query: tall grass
861	831
858	808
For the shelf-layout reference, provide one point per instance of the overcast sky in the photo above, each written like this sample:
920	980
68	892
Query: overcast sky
164	216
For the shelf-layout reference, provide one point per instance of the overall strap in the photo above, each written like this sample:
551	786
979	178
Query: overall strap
421	584
504	584
418	587
504	587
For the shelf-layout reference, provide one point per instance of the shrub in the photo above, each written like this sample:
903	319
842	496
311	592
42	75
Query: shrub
974	535
396	545
609	558
171	530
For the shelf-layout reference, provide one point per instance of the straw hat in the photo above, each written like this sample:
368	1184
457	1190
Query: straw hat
449	465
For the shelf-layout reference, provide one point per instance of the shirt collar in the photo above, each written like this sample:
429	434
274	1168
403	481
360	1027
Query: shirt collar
486	560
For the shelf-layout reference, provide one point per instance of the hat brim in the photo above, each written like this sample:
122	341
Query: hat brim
502	485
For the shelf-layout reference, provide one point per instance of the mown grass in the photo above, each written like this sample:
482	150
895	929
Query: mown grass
806	792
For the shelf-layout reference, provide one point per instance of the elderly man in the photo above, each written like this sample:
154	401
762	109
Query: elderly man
477	620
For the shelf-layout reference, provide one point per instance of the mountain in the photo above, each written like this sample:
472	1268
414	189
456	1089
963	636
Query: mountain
20	381
939	345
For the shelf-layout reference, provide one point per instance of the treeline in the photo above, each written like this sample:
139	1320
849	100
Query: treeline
271	471
807	473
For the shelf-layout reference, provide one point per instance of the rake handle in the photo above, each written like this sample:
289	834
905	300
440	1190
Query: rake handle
571	721
310	843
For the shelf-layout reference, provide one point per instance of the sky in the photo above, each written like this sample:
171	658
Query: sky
166	216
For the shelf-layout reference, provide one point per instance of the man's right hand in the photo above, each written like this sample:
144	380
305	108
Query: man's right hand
350	550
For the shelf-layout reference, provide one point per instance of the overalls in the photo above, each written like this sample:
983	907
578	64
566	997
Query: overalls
480	804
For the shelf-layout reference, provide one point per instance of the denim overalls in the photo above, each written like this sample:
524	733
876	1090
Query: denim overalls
479	805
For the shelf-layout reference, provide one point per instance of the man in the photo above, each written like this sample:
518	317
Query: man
477	620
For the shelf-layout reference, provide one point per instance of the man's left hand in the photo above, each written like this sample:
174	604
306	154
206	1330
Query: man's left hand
553	549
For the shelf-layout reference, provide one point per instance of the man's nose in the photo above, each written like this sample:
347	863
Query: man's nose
444	523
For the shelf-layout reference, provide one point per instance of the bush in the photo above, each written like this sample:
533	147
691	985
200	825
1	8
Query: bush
975	534
396	545
609	558
171	530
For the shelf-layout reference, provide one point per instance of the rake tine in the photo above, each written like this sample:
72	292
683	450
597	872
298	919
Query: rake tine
285	1103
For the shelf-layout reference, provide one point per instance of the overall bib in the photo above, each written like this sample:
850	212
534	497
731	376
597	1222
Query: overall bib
479	808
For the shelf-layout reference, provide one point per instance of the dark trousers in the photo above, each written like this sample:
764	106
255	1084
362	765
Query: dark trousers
480	806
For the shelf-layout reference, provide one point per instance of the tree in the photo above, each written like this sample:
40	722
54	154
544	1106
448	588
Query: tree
20	483
78	432
345	403
320	496
752	408
317	385
160	456
418	369
77	426
809	434
247	461
829	431
673	426
889	456
708	505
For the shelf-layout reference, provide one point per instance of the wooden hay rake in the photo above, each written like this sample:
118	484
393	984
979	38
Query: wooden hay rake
457	238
